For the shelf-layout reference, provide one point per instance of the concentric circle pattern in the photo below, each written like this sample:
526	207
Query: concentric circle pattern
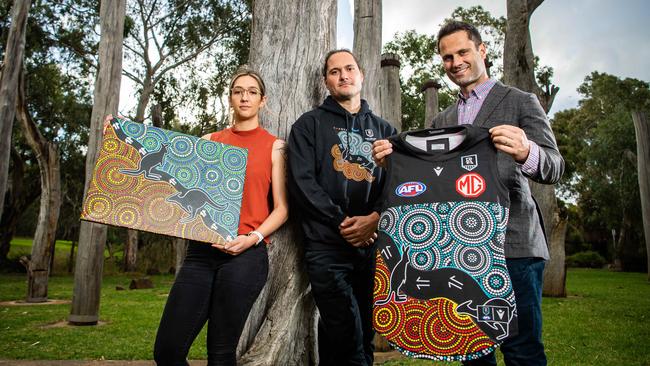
468	236
427	329
471	223
187	164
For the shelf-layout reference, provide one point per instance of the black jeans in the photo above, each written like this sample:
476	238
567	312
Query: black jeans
342	282
215	287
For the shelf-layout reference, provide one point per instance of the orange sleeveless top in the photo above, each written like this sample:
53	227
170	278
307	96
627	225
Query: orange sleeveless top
256	201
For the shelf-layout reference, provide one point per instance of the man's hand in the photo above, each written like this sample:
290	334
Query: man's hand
512	141
360	231
381	149
237	246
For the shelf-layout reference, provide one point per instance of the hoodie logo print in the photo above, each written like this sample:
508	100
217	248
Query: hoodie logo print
353	157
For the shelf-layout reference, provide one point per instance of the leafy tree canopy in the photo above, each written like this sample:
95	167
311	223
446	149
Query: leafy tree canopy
597	140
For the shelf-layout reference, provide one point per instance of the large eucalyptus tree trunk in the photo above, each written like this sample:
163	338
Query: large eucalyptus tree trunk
642	129
367	47
289	41
9	76
519	71
518	57
47	155
92	237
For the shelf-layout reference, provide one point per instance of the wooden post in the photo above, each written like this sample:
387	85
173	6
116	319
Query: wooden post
281	326
92	237
390	90
642	130
367	47
9	75
430	89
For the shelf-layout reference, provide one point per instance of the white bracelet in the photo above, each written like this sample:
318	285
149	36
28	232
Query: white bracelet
259	236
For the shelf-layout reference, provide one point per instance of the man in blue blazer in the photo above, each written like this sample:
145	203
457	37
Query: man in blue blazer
526	148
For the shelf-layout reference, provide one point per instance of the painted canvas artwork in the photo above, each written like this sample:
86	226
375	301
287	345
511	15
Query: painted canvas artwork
165	182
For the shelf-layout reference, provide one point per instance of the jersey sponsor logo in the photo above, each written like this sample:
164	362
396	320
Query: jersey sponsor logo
438	170
470	185
469	162
410	189
370	132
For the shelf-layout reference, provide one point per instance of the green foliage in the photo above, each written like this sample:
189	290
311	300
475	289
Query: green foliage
588	259
202	42
58	64
598	143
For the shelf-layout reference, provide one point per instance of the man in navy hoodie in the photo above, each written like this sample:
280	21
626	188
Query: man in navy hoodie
335	185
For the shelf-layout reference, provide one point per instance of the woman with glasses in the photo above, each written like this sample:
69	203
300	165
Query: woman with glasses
220	283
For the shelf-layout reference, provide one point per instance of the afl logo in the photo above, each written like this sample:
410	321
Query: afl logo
410	189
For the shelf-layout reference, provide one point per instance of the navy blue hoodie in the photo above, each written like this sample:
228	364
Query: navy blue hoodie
332	174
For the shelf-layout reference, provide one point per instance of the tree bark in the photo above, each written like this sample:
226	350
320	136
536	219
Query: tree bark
519	71
642	129
47	155
367	47
518	57
390	90
9	78
281	327
15	204
555	270
92	237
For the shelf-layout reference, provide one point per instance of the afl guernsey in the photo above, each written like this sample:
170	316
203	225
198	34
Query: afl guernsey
442	289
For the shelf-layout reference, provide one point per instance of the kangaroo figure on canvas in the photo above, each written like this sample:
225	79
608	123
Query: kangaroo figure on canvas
192	201
148	164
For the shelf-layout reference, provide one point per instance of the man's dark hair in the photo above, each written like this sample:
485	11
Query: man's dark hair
454	26
333	52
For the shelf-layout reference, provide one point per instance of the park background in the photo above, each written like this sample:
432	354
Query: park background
593	51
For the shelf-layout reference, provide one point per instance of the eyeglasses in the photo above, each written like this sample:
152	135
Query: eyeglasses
239	92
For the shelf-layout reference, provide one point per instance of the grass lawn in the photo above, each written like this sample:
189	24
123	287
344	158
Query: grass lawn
129	317
23	246
602	322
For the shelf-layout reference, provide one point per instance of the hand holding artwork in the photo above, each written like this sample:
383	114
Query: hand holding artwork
512	141
360	231
237	246
107	121
381	149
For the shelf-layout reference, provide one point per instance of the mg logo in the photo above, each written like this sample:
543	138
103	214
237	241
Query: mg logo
470	185
410	189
